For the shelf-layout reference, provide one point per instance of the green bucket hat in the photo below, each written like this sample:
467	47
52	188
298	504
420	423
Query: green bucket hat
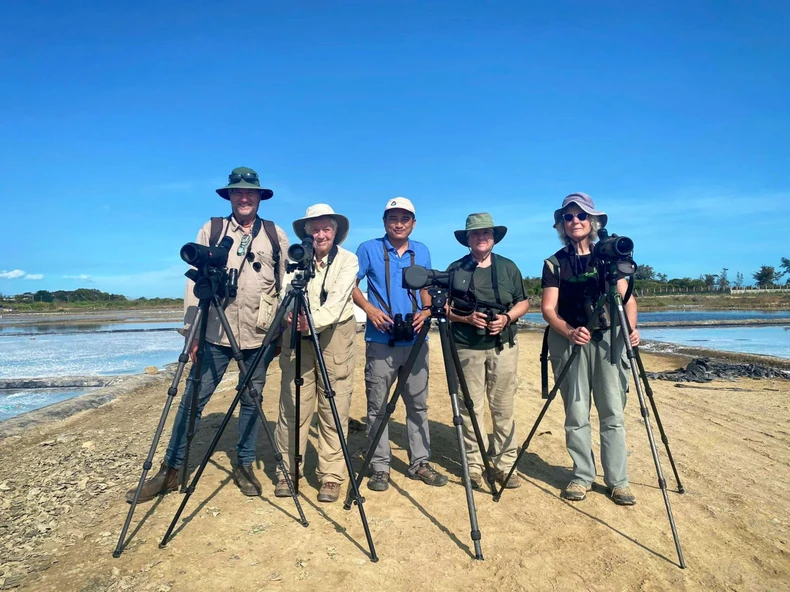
244	178
480	221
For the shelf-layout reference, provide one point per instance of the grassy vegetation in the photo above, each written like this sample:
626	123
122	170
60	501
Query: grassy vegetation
84	306
757	301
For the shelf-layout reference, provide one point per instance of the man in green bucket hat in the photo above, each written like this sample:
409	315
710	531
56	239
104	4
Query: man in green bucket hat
255	254
487	344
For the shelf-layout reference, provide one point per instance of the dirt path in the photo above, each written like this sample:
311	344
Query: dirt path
62	508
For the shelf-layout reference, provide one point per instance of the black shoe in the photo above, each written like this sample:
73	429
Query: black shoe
246	480
379	481
428	475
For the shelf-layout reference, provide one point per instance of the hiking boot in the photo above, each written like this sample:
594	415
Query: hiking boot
428	475
165	481
477	480
281	489
246	480
379	481
622	496
575	492
329	492
512	483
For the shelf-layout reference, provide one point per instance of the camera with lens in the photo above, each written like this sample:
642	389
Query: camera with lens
301	254
210	274
402	329
615	250
457	281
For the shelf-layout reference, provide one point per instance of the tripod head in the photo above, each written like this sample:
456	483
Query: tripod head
303	261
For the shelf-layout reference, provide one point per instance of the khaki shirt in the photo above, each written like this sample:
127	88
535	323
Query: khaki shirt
242	311
341	277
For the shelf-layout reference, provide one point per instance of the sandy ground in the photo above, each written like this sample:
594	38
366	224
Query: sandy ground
62	507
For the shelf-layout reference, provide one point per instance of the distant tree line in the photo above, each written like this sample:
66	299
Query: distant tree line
84	296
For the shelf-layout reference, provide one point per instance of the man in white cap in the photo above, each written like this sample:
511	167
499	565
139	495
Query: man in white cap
387	346
329	298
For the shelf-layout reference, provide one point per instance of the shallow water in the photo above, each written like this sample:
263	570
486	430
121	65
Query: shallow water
79	350
768	341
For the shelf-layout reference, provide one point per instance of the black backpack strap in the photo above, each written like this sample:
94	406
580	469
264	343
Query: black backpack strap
217	225
271	232
544	364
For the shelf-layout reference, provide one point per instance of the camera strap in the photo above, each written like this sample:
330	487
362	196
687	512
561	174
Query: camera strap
329	260
412	297
497	297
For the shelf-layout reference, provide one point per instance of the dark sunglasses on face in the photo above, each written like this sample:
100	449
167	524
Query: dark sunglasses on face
238	177
581	216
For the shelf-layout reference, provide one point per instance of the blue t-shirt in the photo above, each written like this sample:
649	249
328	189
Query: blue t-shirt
371	266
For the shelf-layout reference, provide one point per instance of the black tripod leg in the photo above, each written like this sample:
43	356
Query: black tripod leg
296	346
246	382
458	422
191	488
549	399
330	395
403	376
197	373
470	408
646	417
183	358
661	431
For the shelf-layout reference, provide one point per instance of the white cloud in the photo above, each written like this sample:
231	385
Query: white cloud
33	276
83	276
12	275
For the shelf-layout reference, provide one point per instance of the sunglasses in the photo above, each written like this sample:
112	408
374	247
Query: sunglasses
581	217
238	177
245	240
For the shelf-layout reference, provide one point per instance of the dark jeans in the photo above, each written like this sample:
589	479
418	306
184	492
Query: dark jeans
215	361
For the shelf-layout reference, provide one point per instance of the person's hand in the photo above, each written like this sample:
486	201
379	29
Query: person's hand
477	319
419	319
301	323
579	335
496	326
193	351
379	319
634	337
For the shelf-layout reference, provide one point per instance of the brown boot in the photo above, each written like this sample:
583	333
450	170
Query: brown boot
164	481
246	480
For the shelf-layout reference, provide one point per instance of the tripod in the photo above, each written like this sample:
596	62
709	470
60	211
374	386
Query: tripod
207	300
454	372
615	302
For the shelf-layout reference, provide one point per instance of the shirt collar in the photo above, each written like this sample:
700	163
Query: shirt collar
389	246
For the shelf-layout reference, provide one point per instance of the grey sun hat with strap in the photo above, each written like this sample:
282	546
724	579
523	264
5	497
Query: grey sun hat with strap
480	221
244	178
586	204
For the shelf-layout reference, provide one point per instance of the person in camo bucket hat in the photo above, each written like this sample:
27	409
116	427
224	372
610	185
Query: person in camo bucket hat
244	178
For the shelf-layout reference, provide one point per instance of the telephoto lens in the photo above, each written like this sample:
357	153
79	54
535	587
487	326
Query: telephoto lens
202	256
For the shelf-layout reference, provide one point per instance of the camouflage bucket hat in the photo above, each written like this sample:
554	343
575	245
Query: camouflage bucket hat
244	178
480	221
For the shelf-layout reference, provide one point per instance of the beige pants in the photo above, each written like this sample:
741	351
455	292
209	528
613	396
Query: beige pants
491	375
337	346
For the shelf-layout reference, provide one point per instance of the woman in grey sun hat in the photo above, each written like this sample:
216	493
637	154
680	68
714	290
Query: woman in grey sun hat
487	344
571	281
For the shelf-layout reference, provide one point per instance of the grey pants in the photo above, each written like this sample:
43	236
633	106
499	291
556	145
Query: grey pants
382	364
593	373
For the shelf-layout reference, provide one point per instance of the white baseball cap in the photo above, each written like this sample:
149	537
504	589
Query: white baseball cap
401	203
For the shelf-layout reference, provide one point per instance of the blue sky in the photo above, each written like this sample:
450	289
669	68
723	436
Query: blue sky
119	121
